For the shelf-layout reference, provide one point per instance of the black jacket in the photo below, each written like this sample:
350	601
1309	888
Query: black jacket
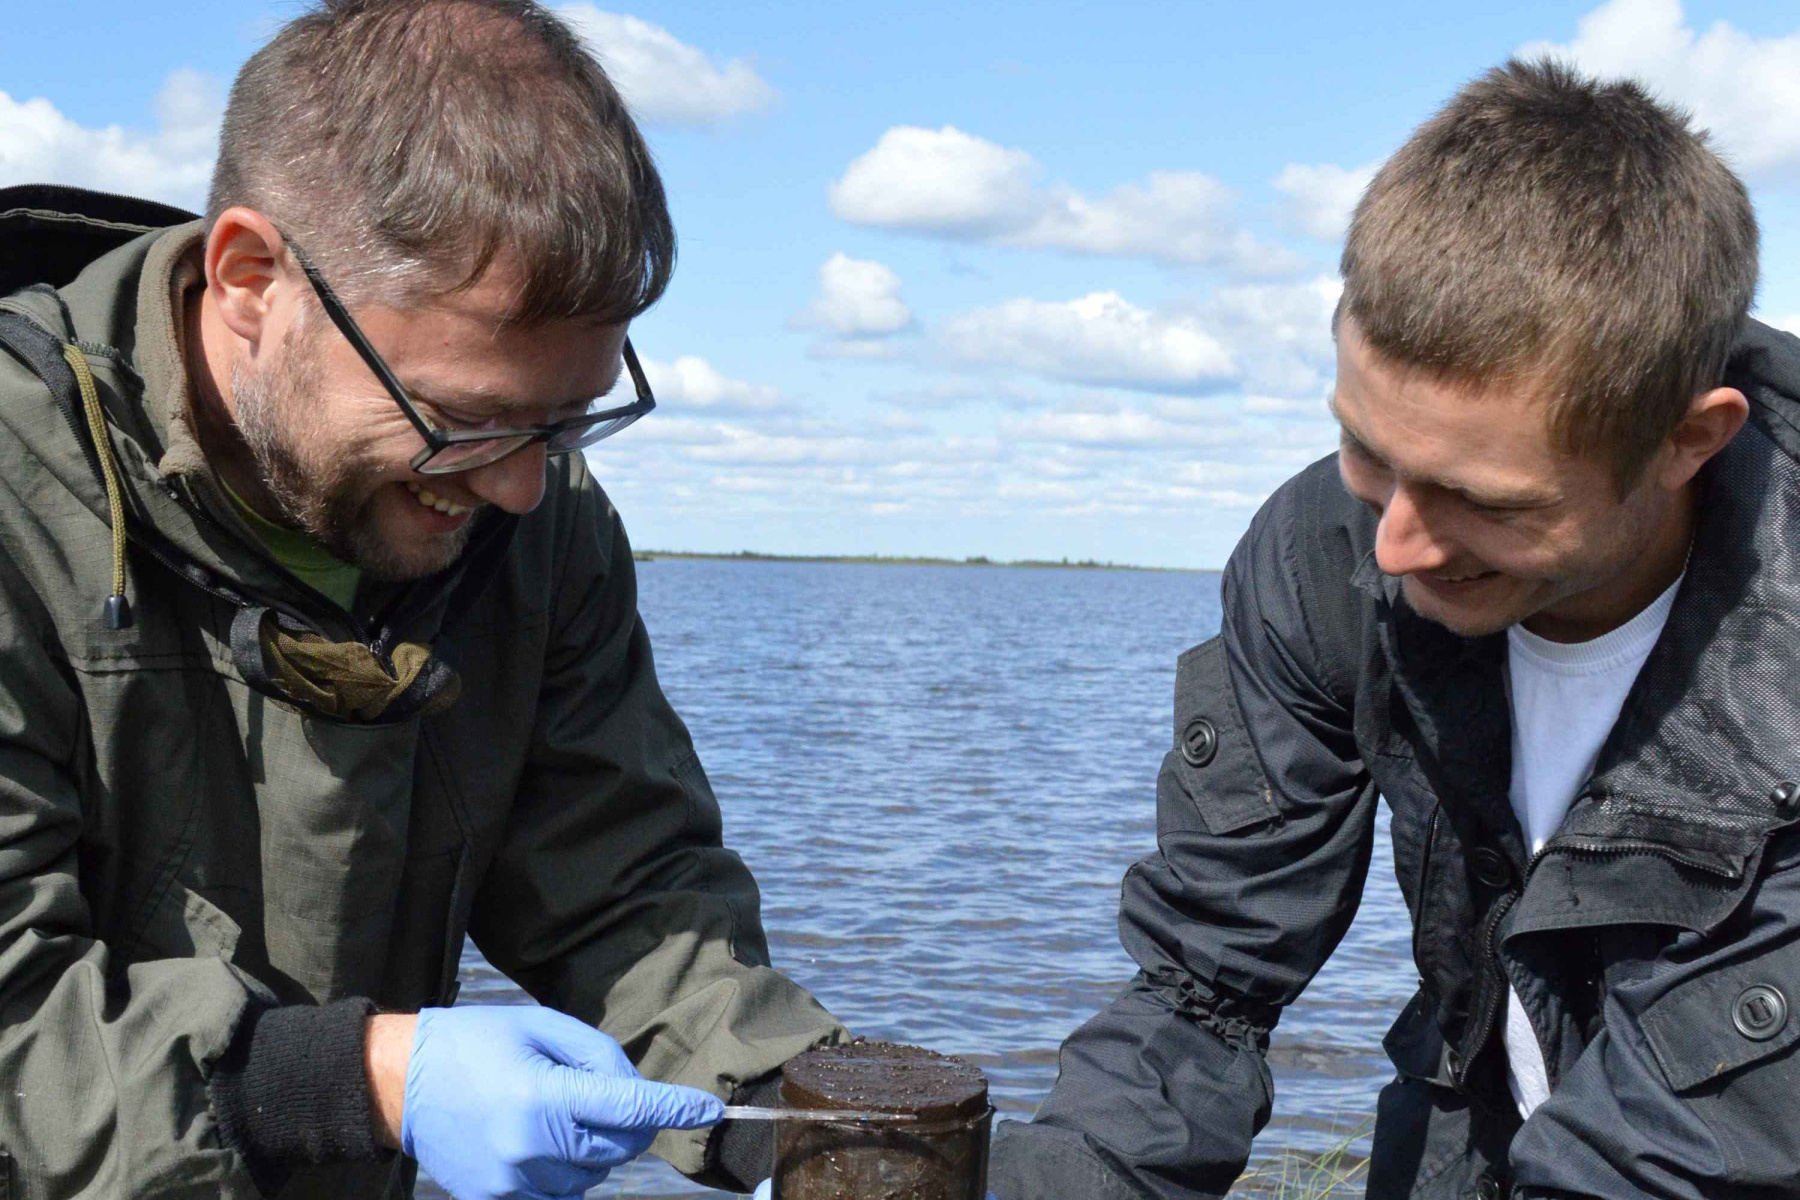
1654	942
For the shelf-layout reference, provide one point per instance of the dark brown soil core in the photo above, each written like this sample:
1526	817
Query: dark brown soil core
942	1156
885	1077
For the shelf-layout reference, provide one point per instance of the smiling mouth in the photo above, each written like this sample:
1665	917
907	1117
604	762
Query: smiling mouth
432	500
1461	578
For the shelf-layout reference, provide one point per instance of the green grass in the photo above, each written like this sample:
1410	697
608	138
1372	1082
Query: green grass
1339	1171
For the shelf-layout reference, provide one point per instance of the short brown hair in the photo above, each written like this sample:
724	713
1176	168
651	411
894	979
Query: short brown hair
408	144
1550	230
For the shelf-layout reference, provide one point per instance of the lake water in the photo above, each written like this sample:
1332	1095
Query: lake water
939	775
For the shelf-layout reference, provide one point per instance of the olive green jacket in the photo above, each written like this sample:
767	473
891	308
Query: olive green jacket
176	848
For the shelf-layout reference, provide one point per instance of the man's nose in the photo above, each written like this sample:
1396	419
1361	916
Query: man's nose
1404	541
515	483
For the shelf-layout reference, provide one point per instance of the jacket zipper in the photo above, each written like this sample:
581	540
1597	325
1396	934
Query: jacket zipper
1490	935
100	195
1431	828
1490	958
1626	849
191	572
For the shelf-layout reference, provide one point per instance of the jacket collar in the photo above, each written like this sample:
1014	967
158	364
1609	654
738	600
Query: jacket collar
1449	705
1712	723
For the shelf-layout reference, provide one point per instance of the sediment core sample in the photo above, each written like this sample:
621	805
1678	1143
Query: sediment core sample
941	1156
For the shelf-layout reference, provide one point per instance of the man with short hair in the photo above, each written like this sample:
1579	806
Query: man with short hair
1543	600
319	649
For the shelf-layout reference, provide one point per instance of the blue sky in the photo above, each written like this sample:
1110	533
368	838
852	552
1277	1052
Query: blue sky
1023	280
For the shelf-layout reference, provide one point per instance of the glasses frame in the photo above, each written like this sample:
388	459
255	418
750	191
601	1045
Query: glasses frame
438	440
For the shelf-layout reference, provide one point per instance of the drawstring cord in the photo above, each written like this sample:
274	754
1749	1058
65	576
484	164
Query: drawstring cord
118	609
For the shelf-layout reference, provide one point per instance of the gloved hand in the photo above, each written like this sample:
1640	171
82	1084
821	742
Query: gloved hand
530	1102
765	1191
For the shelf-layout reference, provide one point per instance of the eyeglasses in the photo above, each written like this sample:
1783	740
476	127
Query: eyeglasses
448	451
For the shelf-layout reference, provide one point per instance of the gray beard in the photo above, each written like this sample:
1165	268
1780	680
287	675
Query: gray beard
322	493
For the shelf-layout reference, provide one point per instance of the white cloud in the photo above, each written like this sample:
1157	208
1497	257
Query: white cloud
938	181
1281	406
899	421
1172	217
1101	339
1745	89
38	144
744	447
1280	332
1791	323
1321	197
858	298
855	349
661	429
1271	339
663	78
1095	458
691	382
1122	427
953	184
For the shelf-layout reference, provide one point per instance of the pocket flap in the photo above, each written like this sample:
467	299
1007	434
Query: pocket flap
1213	758
1415	1044
184	924
1724	1020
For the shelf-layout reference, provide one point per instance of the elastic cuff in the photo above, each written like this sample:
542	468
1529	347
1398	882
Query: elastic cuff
745	1150
292	1088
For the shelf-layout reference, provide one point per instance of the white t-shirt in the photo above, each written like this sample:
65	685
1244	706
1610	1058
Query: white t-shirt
1566	698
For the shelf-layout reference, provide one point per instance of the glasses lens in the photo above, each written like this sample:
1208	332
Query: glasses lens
466	456
586	435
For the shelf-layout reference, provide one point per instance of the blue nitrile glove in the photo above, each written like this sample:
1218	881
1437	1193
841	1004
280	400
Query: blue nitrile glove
530	1102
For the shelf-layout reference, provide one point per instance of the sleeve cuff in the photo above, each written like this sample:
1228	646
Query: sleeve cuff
1036	1162
745	1150
292	1088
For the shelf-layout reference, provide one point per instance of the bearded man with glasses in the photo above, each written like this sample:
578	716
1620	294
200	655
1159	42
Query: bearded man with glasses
319	650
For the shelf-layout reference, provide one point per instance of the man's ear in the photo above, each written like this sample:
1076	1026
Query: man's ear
244	257
1712	420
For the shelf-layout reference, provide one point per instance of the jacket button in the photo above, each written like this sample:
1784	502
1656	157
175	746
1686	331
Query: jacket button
1760	1013
1786	798
1199	742
1487	1187
1491	867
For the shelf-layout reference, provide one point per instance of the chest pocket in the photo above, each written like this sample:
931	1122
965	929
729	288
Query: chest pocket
1724	1041
1213	760
1719	1023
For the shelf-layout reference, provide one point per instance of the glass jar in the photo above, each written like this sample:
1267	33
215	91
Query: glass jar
942	1155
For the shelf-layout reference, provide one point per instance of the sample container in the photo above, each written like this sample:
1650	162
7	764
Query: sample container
943	1155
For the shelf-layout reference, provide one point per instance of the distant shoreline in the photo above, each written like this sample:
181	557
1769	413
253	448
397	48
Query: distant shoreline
886	560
